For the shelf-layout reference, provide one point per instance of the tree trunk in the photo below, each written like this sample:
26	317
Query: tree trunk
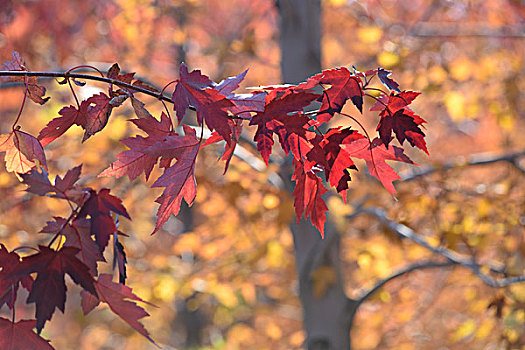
327	311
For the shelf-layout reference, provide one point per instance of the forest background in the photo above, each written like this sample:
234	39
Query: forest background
223	272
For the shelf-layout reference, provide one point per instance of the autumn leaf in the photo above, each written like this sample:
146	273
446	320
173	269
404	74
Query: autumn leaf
275	114
308	196
343	86
375	155
8	286
120	300
405	124
97	109
187	85
179	179
135	161
99	207
49	289
39	183
35	92
20	335
78	235
58	126
388	82
22	150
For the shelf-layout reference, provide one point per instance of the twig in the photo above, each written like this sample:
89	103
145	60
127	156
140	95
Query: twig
453	257
476	159
412	267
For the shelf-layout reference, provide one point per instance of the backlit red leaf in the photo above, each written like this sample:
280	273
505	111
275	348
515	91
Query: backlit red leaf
20	336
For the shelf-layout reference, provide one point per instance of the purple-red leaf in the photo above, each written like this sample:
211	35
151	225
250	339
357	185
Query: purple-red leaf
120	300
20	336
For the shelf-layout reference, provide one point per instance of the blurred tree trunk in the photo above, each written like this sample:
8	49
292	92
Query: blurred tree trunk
327	312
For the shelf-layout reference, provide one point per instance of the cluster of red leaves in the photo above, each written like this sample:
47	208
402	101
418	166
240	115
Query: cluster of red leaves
323	156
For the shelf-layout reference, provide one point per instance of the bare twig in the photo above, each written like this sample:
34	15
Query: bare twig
455	258
473	160
412	267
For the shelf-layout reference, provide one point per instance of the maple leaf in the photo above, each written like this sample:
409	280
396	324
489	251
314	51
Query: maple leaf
39	183
114	73
120	300
35	92
98	207
179	179
211	106
405	124
135	161
9	287
242	102
49	289
97	110
187	84
375	155
276	110
77	235
58	126
20	335
388	82
138	107
334	159
307	196
22	150
343	86
229	148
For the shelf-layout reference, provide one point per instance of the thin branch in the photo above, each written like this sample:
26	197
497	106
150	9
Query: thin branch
476	159
412	267
455	258
86	77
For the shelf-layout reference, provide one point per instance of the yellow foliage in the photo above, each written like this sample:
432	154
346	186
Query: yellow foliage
274	254
456	105
387	59
369	35
273	331
462	68
485	329
225	294
466	329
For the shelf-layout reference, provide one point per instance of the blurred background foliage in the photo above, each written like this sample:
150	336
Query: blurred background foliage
222	274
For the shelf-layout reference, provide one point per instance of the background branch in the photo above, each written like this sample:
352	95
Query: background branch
455	258
413	267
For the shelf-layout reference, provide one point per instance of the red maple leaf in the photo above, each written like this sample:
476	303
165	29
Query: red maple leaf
334	159
242	102
375	155
35	91
49	289
276	113
307	195
229	148
8	286
99	207
20	335
187	85
120	300
135	161
98	109
405	124
193	89
58	126
179	179
78	235
22	150
343	86
39	183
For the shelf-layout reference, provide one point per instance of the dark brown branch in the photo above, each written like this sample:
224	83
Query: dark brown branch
455	258
412	267
85	77
476	159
